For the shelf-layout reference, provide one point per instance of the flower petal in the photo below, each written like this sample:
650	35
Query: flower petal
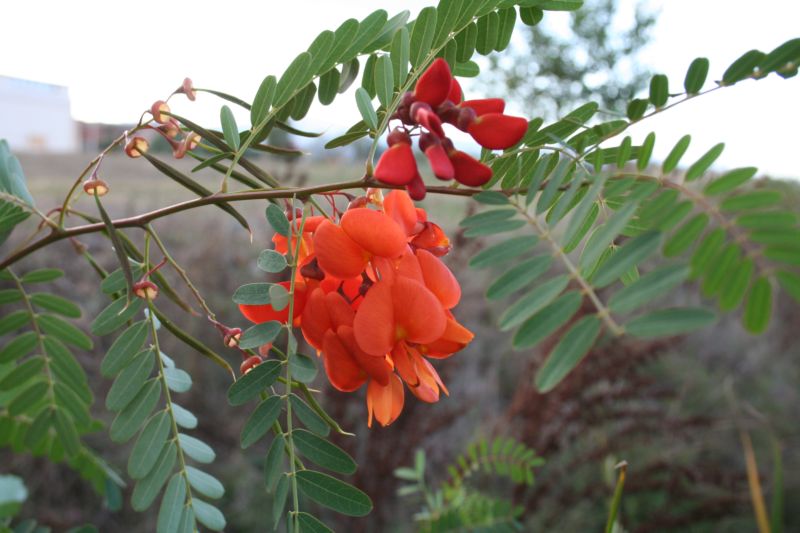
430	121
483	106
496	131
455	338
456	94
440	163
374	325
374	231
468	170
433	239
434	84
397	165
416	188
398	205
343	371
265	313
376	368
418	315
337	254
404	365
439	279
316	320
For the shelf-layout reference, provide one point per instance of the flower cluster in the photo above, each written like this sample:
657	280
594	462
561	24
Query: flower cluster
436	100
374	299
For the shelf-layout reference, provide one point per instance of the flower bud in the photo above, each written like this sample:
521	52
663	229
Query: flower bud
249	364
398	135
146	290
136	147
232	336
187	88
95	186
157	110
466	117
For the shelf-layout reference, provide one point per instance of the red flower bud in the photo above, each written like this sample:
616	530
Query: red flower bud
416	188
424	115
397	165
448	112
498	132
146	290
398	135
434	84
440	163
485	105
466	116
136	147
468	170
249	364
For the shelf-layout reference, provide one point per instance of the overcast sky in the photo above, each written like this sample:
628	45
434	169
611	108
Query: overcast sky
116	61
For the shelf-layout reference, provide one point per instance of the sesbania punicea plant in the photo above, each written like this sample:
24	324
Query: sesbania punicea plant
575	215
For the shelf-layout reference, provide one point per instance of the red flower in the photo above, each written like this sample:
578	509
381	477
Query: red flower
497	131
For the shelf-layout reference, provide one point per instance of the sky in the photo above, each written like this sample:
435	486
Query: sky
116	58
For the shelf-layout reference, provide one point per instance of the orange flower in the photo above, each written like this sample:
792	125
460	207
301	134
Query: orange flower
374	300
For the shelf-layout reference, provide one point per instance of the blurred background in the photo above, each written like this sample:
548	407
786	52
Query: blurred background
672	409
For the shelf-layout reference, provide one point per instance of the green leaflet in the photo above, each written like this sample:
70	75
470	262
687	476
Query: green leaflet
323	453
668	322
569	351
546	321
251	384
334	494
260	420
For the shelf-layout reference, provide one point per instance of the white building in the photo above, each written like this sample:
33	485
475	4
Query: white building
35	117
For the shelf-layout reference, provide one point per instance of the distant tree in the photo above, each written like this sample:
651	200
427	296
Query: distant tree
596	59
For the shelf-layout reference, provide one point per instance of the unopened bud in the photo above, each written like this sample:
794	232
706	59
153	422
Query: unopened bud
188	89
158	109
146	290
398	135
136	147
249	364
231	338
95	186
466	117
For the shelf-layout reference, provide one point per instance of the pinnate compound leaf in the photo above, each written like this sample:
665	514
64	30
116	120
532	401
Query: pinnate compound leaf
668	322
334	494
261	420
251	384
323	453
570	350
